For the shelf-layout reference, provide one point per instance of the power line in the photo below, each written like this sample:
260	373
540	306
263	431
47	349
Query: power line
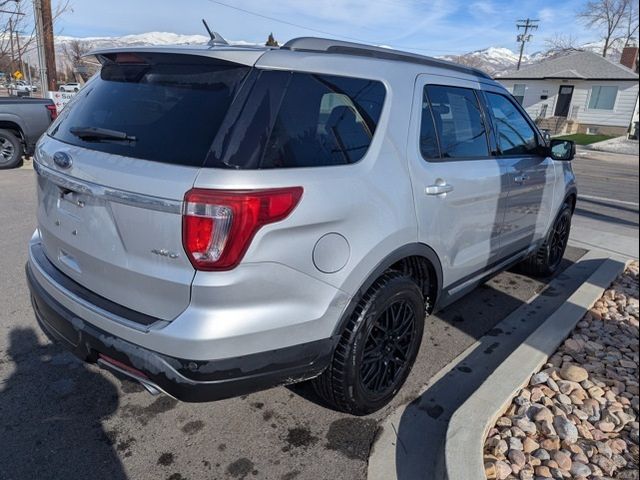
527	24
325	32
291	24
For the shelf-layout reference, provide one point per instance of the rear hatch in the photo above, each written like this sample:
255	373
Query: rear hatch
114	169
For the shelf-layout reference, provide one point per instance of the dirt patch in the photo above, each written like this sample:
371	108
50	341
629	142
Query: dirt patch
144	414
299	437
352	437
240	468
165	459
193	427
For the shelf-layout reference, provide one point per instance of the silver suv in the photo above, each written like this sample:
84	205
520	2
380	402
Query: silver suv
217	220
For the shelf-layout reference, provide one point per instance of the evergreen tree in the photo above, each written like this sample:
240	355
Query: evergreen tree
271	41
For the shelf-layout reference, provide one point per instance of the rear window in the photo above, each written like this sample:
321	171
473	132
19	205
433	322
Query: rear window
285	119
172	104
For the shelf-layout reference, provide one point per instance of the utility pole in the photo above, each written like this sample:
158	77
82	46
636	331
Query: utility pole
42	64
13	53
527	24
20	64
47	41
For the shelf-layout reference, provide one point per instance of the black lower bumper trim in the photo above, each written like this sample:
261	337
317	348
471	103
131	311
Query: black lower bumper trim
184	379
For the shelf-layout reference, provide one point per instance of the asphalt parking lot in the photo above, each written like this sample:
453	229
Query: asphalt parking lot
62	419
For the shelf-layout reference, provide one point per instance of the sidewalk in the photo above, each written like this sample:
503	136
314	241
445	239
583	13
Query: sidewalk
617	145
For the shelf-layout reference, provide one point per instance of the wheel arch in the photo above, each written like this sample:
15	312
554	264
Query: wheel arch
571	197
7	123
414	259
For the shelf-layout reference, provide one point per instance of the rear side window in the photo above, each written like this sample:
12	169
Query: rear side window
428	140
458	122
515	135
172	104
291	119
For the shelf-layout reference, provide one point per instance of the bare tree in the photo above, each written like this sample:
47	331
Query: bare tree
22	23
632	23
76	64
607	15
561	44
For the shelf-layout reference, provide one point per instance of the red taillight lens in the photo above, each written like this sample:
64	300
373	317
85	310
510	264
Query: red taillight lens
218	225
53	111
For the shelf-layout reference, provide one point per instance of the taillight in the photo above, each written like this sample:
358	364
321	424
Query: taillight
218	225
53	111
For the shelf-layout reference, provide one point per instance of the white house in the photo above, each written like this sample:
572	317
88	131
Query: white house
580	92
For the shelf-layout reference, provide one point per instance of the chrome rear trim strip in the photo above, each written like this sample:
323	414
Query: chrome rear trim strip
148	202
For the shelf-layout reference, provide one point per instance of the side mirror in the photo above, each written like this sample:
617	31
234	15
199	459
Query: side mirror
563	150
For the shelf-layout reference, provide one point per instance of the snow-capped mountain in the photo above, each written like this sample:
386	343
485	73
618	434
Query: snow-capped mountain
142	40
138	40
492	59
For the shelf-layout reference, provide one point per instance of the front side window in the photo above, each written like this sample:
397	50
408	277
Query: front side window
515	134
518	92
603	98
458	122
285	119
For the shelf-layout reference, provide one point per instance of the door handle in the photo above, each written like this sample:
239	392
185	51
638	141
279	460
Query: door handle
441	187
521	178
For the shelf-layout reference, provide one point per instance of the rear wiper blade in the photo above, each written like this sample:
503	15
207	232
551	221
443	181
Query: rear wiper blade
97	133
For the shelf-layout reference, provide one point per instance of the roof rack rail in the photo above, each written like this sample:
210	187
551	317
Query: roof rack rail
326	45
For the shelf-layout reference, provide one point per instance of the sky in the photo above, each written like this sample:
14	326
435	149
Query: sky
432	27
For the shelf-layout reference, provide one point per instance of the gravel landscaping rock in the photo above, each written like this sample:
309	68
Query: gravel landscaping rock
578	417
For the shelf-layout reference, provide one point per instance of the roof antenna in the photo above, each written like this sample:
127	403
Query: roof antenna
216	38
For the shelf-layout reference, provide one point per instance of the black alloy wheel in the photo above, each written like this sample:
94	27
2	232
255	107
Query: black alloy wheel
388	347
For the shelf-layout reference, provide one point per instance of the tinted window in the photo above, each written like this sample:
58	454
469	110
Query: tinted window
428	140
291	119
458	122
172	104
515	134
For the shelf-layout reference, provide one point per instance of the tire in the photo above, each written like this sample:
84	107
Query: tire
547	259
11	150
370	362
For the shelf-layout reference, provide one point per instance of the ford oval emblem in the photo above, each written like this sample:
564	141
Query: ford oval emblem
62	159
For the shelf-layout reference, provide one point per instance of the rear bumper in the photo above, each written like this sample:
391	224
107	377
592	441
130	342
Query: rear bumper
184	379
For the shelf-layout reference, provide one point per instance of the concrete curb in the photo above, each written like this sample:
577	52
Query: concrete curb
471	422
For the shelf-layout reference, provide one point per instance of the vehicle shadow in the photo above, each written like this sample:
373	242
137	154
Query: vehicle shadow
51	412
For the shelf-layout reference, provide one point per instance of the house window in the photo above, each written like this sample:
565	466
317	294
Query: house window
518	92
603	98
543	110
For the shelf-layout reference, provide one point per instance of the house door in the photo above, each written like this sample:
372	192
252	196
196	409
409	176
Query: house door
564	101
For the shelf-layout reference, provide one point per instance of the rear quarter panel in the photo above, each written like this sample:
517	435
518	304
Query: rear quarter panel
369	203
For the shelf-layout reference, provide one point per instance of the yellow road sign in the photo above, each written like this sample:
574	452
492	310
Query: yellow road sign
17	74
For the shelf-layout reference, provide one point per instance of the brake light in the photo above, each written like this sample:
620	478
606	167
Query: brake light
53	111
218	225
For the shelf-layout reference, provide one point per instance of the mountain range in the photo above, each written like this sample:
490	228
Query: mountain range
492	60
